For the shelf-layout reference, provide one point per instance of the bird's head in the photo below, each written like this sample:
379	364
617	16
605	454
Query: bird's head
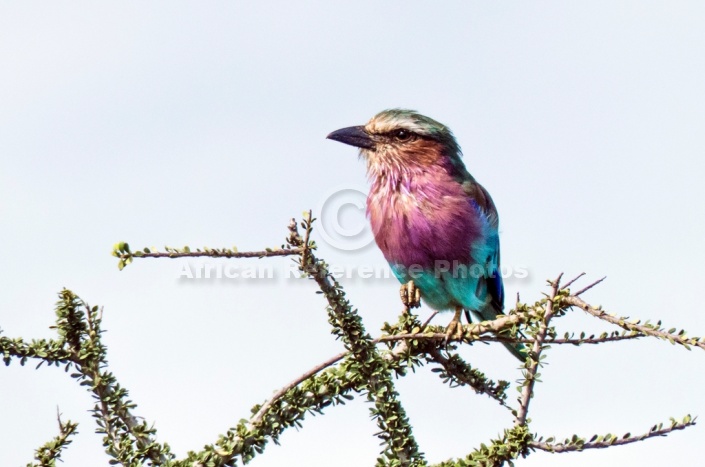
399	138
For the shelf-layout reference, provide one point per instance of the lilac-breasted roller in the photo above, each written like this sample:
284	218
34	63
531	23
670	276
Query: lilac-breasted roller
435	224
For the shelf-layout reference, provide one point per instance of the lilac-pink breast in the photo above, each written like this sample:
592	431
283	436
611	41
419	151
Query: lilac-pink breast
423	217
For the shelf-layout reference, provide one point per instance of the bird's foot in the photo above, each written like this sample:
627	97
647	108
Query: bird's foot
410	296
454	330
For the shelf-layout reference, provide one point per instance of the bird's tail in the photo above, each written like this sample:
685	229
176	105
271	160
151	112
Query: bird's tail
519	350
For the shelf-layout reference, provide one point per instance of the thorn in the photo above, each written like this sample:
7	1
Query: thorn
570	282
423	326
589	286
557	283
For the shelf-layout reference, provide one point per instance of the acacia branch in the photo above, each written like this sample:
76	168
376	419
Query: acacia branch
49	453
482	386
572	281
473	332
363	369
600	442
563	341
347	325
81	332
215	253
257	417
588	287
125	255
439	336
49	351
636	326
533	361
464	374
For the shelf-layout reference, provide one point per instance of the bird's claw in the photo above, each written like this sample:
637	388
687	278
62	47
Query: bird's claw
454	330
410	295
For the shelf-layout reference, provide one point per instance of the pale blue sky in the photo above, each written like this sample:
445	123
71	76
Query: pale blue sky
204	124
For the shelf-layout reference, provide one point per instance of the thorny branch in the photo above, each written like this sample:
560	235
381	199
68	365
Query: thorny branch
81	332
257	417
534	360
125	255
481	386
463	374
49	453
600	442
361	368
437	357
646	329
439	335
402	448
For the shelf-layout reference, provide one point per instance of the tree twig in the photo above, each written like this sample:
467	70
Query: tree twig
534	360
49	453
590	286
570	282
466	375
609	440
636	326
257	418
347	324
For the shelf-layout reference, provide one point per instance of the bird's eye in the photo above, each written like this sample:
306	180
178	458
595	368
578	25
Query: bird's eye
402	135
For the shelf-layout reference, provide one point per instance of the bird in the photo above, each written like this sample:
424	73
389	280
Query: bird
436	226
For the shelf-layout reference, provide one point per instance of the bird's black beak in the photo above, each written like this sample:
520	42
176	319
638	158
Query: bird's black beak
354	136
